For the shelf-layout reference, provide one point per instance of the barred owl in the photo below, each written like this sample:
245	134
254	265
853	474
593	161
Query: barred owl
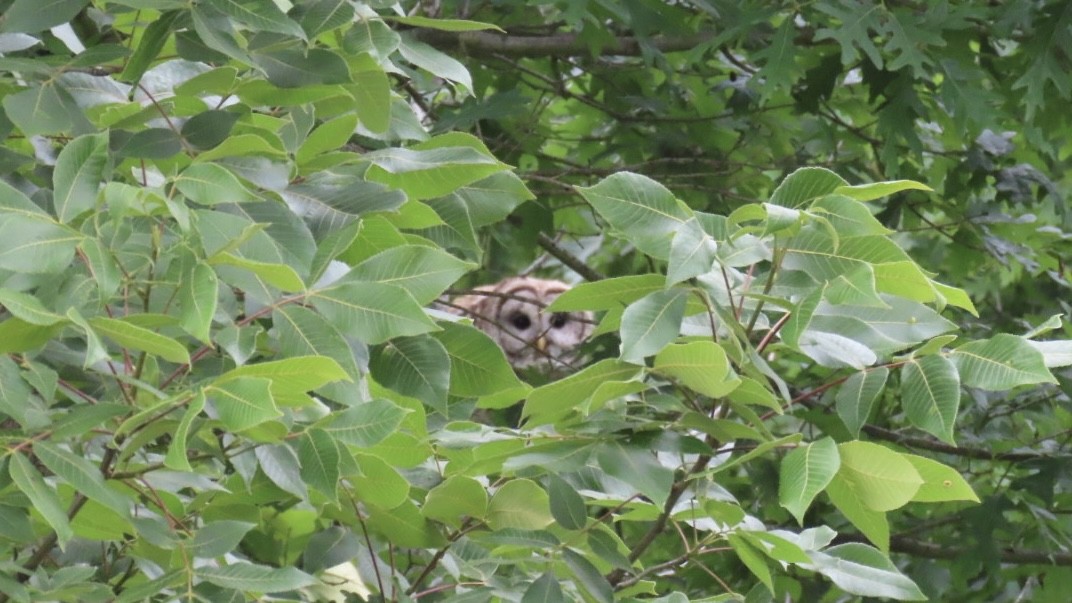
512	313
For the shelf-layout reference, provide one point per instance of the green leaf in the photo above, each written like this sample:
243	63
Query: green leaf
608	293
80	168
244	402
426	174
44	109
291	377
16	398
150	44
328	136
280	464
28	308
930	393
1000	363
444	24
318	16
544	589
805	472
642	210
638	468
861	570
873	524
366	424
435	62
377	483
43	498
478	366
567	506
548	402
800	318
652	322
882	479
372	99
197	301
404	526
941	483
131	336
418	367
280	276
210	184
692	253
259	15
425	272
319	455
589	577
153	143
699	365
218	538
208	129
752	558
303	332
292	68
250	578
876	190
856	397
31	16
372	312
520	504
33	242
1055	354
176	454
82	475
806	184
456	497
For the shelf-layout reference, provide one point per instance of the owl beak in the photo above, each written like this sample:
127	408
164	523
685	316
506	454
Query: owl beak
541	344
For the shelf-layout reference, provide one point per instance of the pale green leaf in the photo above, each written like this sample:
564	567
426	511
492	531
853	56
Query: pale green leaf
82	475
857	395
80	168
642	210
366	424
250	578
520	504
455	498
941	483
1000	363
44	498
881	478
804	473
652	322
425	272
873	524
211	184
875	190
28	308
608	293
131	336
861	570
699	365
930	393
372	312
243	402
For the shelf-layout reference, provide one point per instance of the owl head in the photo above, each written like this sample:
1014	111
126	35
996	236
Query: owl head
512	312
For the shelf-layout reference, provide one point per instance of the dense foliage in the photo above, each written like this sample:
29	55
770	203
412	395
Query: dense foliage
825	245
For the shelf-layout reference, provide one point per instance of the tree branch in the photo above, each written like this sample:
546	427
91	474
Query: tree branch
487	44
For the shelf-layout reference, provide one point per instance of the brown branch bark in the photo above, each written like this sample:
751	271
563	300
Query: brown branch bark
487	44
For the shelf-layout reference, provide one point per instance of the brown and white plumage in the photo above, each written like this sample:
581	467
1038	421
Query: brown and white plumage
512	313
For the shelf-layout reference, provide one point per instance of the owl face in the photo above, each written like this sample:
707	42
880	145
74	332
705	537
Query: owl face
512	313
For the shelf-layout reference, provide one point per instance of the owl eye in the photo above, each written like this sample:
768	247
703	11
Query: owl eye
559	320
521	321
